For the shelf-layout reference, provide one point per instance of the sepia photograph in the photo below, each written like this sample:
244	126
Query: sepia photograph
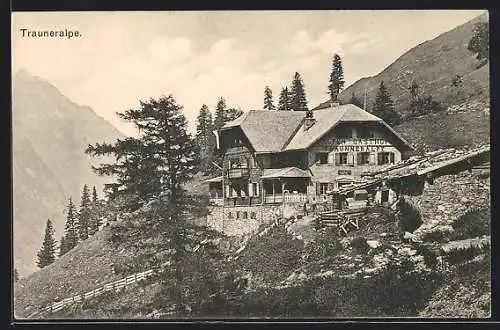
264	165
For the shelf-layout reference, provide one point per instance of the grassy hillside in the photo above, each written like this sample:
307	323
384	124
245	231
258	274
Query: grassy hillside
433	65
446	130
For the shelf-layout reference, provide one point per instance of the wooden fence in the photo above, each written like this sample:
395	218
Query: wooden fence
113	286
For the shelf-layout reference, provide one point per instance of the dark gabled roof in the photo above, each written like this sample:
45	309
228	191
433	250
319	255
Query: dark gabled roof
326	119
276	131
268	131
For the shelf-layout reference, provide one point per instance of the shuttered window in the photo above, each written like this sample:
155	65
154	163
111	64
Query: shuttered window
341	158
385	158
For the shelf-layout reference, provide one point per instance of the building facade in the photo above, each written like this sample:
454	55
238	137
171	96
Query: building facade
278	157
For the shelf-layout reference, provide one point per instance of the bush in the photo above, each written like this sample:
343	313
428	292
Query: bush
359	243
409	217
474	223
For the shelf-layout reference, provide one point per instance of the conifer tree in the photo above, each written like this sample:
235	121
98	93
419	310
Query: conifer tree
95	199
204	127
63	246
220	113
95	213
46	255
336	78
84	214
298	100
155	163
268	99
284	100
70	230
384	106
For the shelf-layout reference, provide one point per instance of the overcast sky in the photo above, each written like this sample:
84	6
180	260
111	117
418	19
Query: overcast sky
124	57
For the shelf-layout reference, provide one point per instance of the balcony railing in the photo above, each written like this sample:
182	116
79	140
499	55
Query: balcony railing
238	173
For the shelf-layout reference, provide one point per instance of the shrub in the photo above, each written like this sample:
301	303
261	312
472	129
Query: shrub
409	216
473	223
359	243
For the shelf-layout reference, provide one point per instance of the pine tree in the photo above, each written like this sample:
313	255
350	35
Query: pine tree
480	42
204	127
268	99
336	78
232	114
95	213
220	113
70	231
157	162
46	255
284	102
95	199
205	139
384	106
298	100
84	214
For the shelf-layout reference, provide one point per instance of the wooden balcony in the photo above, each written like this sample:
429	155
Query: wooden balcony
238	173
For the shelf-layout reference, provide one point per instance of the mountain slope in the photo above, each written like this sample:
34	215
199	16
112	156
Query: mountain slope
50	134
434	64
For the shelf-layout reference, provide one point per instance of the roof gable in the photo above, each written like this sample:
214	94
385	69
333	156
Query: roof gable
268	131
275	131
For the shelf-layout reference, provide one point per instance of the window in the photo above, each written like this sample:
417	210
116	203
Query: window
323	188
237	214
255	189
230	215
322	157
245	215
385	158
252	215
363	158
236	142
341	158
365	133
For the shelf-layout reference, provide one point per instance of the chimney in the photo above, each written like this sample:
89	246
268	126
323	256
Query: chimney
309	120
334	104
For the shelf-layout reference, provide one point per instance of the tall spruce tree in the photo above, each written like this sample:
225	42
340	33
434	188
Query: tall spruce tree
220	113
84	214
95	198
95	213
70	230
205	139
336	78
268	99
46	255
204	127
384	106
155	163
172	151
298	100
284	103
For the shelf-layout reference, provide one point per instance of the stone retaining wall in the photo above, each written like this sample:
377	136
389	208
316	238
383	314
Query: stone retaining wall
242	220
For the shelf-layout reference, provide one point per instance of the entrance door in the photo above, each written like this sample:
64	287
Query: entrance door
385	196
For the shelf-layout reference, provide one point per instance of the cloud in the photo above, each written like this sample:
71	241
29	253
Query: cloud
329	42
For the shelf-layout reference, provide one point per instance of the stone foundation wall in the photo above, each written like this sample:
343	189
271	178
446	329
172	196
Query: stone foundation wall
451	196
241	220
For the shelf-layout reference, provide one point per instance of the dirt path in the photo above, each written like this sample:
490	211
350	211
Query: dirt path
304	227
